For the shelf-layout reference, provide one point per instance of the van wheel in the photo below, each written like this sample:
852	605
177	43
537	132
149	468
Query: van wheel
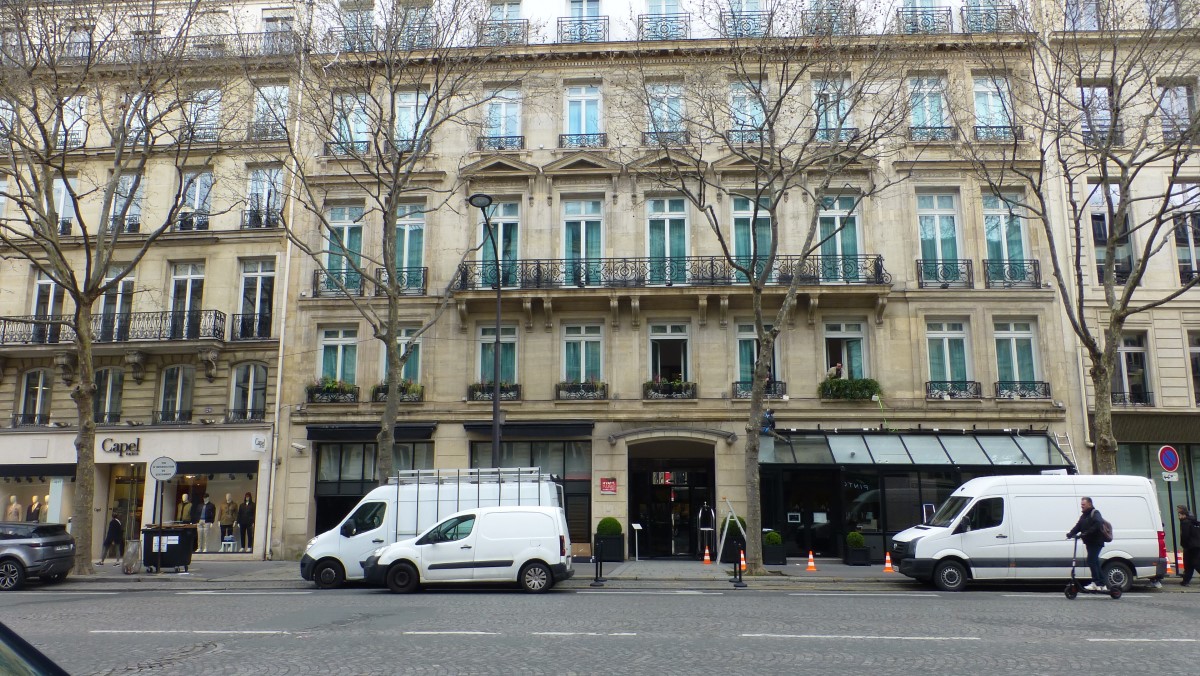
328	575
402	578
1118	576
12	575
950	576
536	578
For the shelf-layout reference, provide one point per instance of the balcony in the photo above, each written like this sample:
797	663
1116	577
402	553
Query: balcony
360	39
745	24
953	389
998	134
504	32
668	390
483	392
334	393
932	134
107	418
583	140
1022	389
65	226
990	20
945	273
116	328
586	391
417	35
575	30
1012	274
267	130
245	415
485	143
177	417
839	135
1177	129
259	219
69	140
202	133
409	281
128	224
664	26
829	22
1134	398
410	392
748	137
775	389
31	420
863	270
251	327
191	221
1103	135
670	139
1121	273
1188	272
346	148
337	283
406	146
923	20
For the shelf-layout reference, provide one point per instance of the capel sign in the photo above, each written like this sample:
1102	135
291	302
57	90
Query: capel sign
122	449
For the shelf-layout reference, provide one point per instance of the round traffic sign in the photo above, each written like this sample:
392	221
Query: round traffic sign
1168	457
163	469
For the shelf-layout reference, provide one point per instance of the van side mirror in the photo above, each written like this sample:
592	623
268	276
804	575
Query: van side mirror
964	526
348	529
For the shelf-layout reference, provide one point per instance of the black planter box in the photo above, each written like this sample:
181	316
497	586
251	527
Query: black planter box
610	547
774	555
858	556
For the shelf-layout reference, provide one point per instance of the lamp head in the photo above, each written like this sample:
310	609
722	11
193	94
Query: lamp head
480	200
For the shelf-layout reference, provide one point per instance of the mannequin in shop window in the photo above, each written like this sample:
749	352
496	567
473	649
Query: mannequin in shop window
208	515
35	510
15	511
183	511
46	509
245	520
226	515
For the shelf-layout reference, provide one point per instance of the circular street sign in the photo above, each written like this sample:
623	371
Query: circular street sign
163	469
1168	457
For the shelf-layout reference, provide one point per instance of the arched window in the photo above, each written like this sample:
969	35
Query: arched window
176	398
35	398
106	406
248	401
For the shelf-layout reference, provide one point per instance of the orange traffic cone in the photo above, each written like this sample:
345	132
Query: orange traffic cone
812	563
743	564
887	563
1171	565
707	559
1179	562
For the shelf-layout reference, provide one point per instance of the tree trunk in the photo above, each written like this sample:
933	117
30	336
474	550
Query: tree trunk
83	393
754	560
1105	455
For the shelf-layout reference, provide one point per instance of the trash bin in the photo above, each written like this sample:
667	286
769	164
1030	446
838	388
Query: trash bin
173	543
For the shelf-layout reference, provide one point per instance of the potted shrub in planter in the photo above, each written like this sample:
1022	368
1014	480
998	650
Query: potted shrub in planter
857	552
608	540
854	389
774	553
331	391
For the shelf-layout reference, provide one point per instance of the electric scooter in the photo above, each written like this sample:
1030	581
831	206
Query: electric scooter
1075	589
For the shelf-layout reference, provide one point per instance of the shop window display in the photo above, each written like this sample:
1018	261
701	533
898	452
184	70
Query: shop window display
222	506
40	499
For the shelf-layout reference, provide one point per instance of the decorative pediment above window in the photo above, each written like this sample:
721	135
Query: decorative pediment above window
499	166
738	164
583	163
666	160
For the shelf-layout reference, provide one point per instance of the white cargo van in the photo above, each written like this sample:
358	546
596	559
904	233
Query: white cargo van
411	502
526	545
1014	528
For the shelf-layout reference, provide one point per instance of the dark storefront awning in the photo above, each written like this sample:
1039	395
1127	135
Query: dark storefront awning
536	429
916	448
218	466
415	431
1153	428
58	469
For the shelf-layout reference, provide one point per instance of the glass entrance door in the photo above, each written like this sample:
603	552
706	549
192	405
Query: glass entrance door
666	497
127	486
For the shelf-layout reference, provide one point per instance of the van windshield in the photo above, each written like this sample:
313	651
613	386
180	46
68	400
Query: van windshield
949	511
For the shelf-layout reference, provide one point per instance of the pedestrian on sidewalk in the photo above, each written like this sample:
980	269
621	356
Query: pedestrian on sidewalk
1189	539
1090	529
114	540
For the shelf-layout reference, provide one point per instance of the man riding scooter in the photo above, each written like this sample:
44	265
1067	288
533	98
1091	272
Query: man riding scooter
1090	529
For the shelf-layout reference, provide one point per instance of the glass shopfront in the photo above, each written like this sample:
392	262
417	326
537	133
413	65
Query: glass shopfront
230	488
1142	460
126	488
42	493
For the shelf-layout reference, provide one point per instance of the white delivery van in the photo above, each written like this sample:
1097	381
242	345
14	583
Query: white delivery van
526	545
411	502
1015	528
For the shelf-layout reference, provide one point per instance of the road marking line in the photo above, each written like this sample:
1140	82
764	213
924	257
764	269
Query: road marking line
581	633
245	593
907	595
452	633
1143	640
1035	595
187	631
685	592
860	637
64	593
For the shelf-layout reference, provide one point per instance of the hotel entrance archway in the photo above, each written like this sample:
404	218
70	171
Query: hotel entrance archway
670	481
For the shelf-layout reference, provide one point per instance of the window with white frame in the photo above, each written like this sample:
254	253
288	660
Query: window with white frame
1099	123
583	245
49	301
583	114
949	360
584	9
72	122
747	110
106	404
582	350
665	108
8	119
508	355
1177	111
339	355
846	345
351	129
831	100
413	114
270	112
659	7
1185	211
248	400
187	298
1083	15
1194	359
197	193
840	235
116	307
504	10
749	346
1163	13
667	240
411	372
256	306
175	400
127	203
64	204
265	198
1130	378
203	114
927	104
669	360
751	234
344	256
1104	211
410	246
35	398
937	222
503	237
993	109
503	114
1004	230
1017	369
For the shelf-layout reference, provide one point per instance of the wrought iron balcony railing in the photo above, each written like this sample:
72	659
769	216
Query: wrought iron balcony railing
1188	272
683	270
990	20
256	219
748	137
503	32
408	393
665	138
583	29
923	20
405	146
64	226
191	221
333	283
31	419
1133	398
829	22
1176	129
1012	274
945	273
417	35
745	24
583	140
1022	389
202	133
932	134
251	326
483	392
113	328
953	389
1101	135
128	224
500	143
664	26
668	390
360	39
245	415
316	394
107	418
775	389
267	130
175	417
410	281
581	391
997	134
70	140
1121	273
839	135
344	148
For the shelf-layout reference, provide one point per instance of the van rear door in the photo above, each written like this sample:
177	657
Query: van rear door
985	532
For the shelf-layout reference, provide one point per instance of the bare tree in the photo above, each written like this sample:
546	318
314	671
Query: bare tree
89	105
791	105
1089	133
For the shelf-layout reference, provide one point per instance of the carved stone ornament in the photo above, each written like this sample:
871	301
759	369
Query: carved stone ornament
136	361
208	357
65	363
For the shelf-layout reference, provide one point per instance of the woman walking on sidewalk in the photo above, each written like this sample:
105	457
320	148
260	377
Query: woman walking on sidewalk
114	539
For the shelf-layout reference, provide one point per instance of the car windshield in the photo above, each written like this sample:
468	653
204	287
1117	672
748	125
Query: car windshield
949	511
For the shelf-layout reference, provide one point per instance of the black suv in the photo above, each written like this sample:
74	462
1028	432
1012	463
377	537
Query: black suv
42	550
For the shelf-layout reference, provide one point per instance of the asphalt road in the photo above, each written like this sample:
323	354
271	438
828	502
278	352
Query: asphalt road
609	631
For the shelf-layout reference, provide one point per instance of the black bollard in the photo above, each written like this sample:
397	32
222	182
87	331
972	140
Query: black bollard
598	581
737	567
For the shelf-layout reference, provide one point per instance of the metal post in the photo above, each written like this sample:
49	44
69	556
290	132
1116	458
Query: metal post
599	556
1174	542
482	202
158	568
737	569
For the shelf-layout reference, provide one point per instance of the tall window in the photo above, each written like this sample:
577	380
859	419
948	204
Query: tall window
583	110
270	112
48	302
1194	358
197	192
503	115
583	227
278	37
127	203
662	6
345	247
947	343
832	103
840	236
1177	110
115	308
357	28
264	199
72	127
187	296
748	348
508	354
504	10
1185	208
669	352
993	109
1005	232
584	9
1104	205
35	397
667	226
746	106
751	234
249	398
412	118
1016	361
582	353
8	118
506	226
412	367
339	354
1130	380
106	405
351	131
927	101
410	245
1099	117
1163	13
64	204
258	299
1083	15
666	108
203	114
845	344
937	220
176	400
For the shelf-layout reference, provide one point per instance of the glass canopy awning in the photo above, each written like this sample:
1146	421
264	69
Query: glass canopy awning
913	448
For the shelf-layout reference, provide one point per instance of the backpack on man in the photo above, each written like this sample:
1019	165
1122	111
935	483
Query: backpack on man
1106	531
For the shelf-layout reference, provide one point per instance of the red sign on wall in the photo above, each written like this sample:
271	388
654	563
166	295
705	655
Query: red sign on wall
608	485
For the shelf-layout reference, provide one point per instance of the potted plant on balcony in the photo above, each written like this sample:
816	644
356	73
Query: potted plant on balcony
331	390
409	390
857	552
852	389
774	553
609	543
588	389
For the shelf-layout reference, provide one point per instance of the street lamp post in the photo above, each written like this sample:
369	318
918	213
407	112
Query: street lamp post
482	202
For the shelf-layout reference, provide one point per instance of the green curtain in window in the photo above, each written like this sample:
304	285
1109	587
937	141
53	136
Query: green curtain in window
592	251
929	251
1004	359
349	363
574	362
412	367
508	362
658	250
958	359
741	243
853	365
329	362
1024	348
937	359
591	355
410	239
746	359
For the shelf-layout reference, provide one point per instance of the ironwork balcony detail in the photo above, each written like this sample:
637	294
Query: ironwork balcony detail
316	394
1017	273
352	40
923	20
996	134
404	146
345	148
69	140
114	328
1098	135
574	30
1121	273
332	283
179	417
1134	398
665	138
415	36
258	219
748	137
945	273
829	22
669	390
583	140
1176	129
64	226
202	133
410	281
745	24
990	20
500	143
664	26
1022	389
245	415
588	391
1188	272
775	389
128	224
107	418
932	134
267	130
191	221
839	135
483	392
953	389
31	420
408	393
504	32
251	326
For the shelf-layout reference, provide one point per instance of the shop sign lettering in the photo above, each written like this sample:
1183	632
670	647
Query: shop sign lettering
122	448
608	485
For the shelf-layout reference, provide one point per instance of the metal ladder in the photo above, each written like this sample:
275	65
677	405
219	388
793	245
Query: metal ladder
729	517
1064	443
